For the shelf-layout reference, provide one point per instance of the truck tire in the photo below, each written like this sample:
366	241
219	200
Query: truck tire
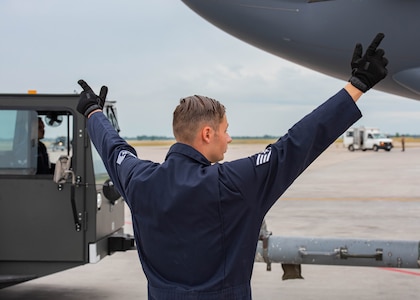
351	148
375	148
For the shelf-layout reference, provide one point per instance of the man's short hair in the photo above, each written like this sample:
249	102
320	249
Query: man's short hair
194	112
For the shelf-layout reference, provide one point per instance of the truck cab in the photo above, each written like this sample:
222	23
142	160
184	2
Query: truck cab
63	215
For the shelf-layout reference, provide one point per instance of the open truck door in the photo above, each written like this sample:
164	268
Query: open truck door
66	216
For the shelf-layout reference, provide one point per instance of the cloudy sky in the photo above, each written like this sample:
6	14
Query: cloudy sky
150	53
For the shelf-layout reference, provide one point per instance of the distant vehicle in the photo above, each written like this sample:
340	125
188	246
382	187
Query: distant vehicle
53	222
60	144
366	138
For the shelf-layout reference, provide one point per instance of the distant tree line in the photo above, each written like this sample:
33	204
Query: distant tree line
163	138
149	138
406	135
245	137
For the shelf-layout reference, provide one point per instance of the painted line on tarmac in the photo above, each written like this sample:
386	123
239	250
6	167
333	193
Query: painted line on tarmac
402	271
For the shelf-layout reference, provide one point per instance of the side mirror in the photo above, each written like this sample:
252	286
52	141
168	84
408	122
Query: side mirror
110	192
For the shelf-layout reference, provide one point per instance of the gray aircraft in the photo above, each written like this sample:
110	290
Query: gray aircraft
321	34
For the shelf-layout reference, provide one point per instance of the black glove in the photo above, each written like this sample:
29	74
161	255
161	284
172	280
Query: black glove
88	100
370	68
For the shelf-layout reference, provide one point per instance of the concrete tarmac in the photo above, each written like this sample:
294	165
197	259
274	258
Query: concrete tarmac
373	195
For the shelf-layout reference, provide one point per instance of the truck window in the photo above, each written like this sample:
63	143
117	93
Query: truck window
24	132
18	141
55	140
101	174
98	167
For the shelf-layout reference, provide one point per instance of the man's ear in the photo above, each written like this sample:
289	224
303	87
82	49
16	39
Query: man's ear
206	133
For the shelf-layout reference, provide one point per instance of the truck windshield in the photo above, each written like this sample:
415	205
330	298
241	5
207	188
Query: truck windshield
379	136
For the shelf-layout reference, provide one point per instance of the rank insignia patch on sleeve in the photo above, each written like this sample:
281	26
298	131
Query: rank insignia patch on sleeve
122	155
263	157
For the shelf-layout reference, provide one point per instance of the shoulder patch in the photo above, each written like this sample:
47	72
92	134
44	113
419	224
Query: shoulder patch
263	157
122	155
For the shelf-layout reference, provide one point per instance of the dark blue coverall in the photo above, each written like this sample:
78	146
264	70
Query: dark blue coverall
196	224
